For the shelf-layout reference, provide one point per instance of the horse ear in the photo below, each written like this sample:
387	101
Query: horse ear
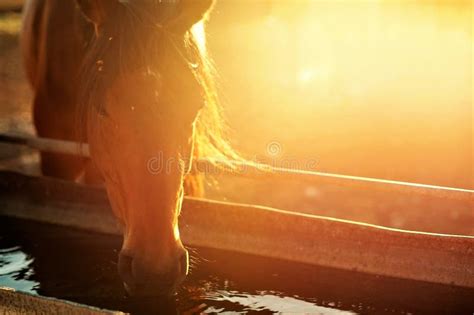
97	11
189	13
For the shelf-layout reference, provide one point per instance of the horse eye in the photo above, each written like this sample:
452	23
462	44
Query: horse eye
102	111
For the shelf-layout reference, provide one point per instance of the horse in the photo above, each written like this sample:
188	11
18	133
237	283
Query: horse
133	79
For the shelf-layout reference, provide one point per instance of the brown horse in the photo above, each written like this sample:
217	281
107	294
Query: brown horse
135	75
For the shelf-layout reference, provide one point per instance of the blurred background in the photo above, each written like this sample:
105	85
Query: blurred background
369	88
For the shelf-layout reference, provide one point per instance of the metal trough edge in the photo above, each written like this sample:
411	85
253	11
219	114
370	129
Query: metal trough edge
437	258
14	302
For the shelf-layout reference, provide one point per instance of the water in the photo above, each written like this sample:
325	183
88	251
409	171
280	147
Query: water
16	271
79	266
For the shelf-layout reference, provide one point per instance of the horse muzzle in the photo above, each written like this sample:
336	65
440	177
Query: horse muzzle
140	280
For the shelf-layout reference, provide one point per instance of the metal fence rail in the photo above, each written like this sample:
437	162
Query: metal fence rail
256	170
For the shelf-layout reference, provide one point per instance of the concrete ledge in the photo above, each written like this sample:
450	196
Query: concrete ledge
13	302
437	258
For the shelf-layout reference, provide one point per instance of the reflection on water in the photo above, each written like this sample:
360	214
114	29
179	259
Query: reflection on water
267	301
81	267
16	270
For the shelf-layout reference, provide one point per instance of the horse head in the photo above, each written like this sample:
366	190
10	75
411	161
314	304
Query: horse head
147	92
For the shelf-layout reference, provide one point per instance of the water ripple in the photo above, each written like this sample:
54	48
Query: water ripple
16	270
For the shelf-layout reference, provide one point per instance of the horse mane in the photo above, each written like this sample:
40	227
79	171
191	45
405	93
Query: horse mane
129	39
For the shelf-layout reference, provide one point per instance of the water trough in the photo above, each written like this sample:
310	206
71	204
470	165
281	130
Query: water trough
437	258
317	240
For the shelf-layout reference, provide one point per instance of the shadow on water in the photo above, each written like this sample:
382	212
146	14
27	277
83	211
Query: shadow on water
80	266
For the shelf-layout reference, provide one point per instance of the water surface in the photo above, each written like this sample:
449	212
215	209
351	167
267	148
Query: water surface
80	266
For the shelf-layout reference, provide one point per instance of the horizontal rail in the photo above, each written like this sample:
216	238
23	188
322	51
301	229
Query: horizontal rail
48	145
11	5
324	241
256	170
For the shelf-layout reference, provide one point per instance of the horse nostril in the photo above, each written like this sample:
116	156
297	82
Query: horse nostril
125	268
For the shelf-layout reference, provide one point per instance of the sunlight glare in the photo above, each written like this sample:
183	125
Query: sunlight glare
199	34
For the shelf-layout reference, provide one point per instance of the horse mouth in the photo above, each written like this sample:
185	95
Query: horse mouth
149	289
150	284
